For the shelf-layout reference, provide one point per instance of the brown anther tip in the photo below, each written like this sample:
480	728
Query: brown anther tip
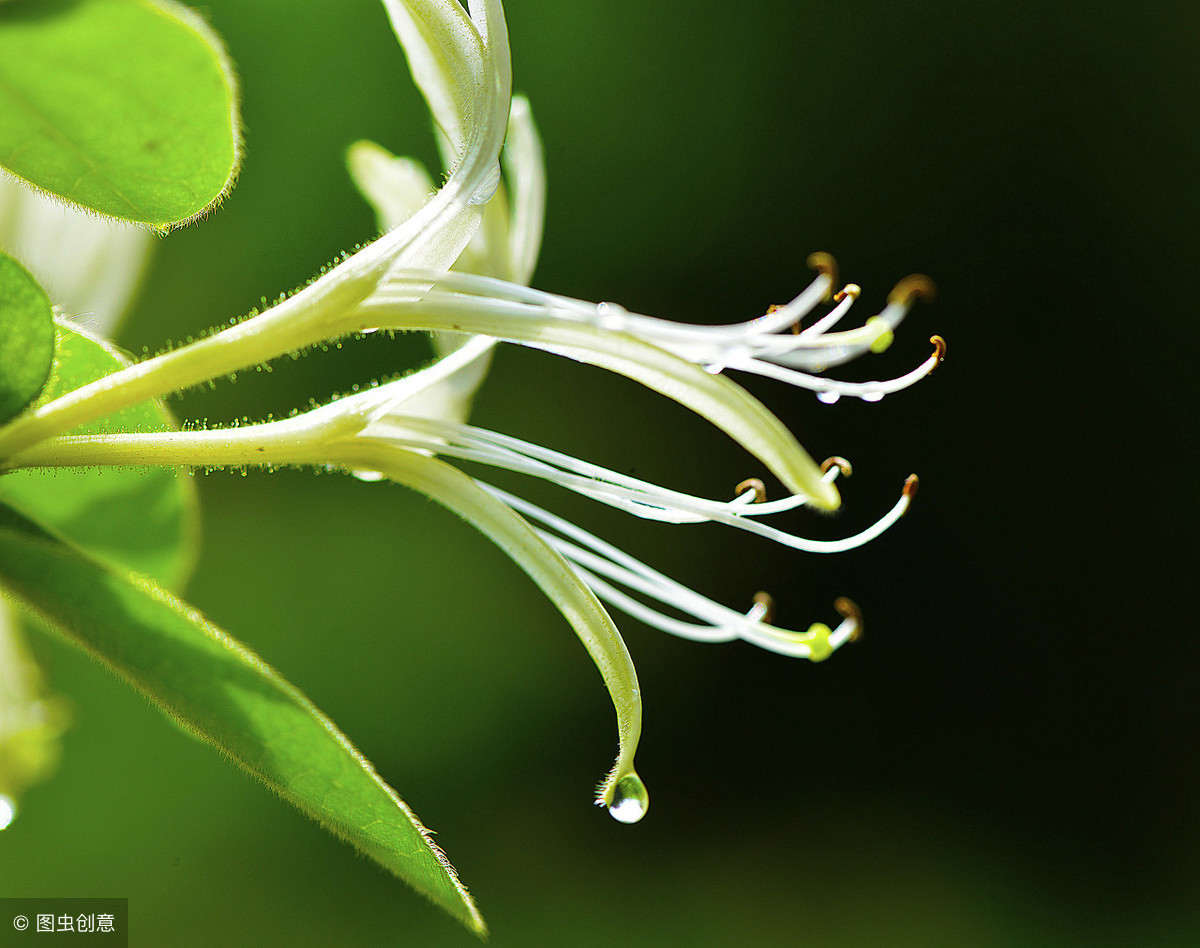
825	264
775	308
840	463
852	290
911	287
910	486
848	609
939	347
764	602
753	483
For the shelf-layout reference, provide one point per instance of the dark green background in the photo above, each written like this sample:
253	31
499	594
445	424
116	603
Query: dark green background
1007	758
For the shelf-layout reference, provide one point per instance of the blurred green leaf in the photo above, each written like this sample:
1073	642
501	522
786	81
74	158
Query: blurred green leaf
143	519
124	107
221	692
26	337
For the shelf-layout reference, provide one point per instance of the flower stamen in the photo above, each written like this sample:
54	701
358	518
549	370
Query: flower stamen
603	567
632	495
755	487
838	464
763	609
848	610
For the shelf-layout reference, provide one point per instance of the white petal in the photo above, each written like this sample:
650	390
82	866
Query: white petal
448	387
570	595
525	177
446	56
89	266
396	187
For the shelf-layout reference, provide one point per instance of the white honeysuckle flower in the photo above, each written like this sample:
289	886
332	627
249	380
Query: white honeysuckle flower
401	430
89	266
397	431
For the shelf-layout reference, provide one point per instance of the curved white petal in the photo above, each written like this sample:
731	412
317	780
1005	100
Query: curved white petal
89	266
525	178
545	566
396	187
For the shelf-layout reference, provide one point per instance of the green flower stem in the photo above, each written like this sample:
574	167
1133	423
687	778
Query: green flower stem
324	438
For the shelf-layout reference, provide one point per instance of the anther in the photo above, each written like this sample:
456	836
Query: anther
775	308
910	487
753	483
852	290
763	609
824	264
911	287
939	348
840	463
848	609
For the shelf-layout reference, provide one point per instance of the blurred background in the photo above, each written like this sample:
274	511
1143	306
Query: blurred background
1009	754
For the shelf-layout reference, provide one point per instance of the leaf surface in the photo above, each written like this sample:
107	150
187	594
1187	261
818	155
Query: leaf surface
124	107
221	692
26	337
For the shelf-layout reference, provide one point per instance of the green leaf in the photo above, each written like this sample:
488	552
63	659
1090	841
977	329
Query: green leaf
221	692
26	337
124	107
142	519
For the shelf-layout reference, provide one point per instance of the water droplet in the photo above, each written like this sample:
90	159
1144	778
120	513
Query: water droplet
612	316
630	799
370	477
828	396
872	396
487	186
8	811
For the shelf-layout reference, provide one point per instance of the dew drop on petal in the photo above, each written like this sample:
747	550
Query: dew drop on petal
630	799
371	477
8	811
828	397
612	316
487	187
872	396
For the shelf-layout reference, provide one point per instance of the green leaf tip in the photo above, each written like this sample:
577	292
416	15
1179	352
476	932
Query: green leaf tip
26	337
220	691
125	108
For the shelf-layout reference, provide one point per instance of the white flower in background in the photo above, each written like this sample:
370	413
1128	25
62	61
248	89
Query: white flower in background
402	429
89	266
90	269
